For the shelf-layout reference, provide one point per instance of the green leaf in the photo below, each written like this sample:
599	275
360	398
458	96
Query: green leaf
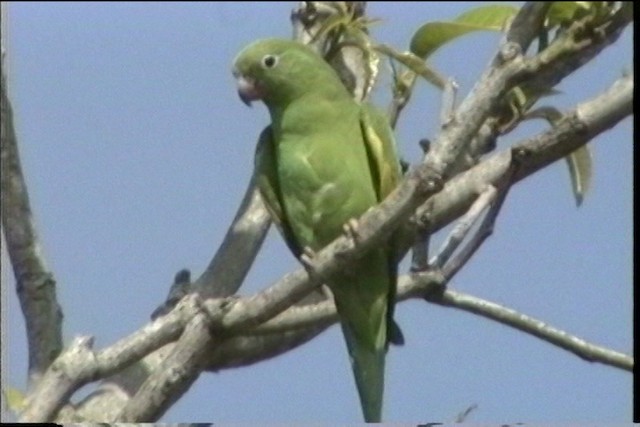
580	170
433	35
579	161
414	63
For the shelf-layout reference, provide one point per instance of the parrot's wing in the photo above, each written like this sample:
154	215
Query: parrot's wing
266	169
381	150
386	174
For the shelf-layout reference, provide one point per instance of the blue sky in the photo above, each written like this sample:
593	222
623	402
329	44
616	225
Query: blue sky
137	151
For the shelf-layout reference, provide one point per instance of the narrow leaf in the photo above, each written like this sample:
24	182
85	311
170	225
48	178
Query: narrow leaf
580	170
433	35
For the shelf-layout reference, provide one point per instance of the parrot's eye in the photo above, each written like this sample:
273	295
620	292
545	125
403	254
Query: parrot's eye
269	61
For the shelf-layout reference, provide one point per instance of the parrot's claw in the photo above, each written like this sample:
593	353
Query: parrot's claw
350	229
307	258
327	292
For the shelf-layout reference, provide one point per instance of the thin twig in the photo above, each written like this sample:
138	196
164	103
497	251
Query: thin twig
509	317
448	102
462	416
486	228
461	229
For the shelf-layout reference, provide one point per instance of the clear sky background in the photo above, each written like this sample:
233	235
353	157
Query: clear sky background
137	151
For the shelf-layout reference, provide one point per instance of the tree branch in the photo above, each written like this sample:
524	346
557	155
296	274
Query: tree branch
235	351
173	377
35	284
509	317
579	44
461	229
60	381
79	364
576	128
232	261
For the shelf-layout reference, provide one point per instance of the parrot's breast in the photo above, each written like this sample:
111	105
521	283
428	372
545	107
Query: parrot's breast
324	183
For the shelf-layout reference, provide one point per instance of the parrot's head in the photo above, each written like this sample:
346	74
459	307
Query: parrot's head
278	71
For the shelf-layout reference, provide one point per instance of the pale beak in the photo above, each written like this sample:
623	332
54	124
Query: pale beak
247	89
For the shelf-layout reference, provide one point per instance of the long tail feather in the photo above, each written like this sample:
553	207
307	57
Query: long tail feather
368	369
361	297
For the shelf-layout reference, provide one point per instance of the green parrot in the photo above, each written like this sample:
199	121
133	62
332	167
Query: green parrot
323	161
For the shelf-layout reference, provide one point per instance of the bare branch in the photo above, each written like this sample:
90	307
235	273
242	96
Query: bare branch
60	381
243	350
79	365
173	377
35	284
583	349
238	250
235	351
486	228
463	226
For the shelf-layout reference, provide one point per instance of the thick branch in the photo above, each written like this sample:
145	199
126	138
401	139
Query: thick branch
173	377
60	381
79	364
35	284
238	250
113	393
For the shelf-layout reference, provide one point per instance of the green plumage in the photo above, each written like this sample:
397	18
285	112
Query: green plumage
324	160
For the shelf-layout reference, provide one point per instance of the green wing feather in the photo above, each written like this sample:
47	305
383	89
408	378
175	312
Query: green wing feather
386	174
266	170
381	149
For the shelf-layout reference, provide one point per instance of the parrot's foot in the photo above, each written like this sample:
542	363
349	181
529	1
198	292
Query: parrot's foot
306	258
350	229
